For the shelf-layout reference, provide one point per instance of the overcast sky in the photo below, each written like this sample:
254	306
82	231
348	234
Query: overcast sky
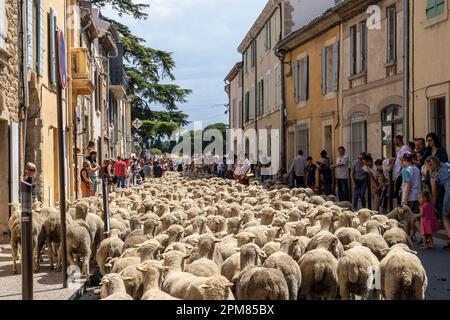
203	36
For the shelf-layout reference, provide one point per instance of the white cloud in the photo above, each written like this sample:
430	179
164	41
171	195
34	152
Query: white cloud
203	35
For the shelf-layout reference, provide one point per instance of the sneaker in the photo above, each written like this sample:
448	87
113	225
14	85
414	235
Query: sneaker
420	242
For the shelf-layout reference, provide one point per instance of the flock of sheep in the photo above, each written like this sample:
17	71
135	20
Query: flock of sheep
203	238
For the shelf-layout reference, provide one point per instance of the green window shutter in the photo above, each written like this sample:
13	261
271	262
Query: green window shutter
305	83
296	78
3	31
324	71
52	35
352	51
30	38
41	54
335	68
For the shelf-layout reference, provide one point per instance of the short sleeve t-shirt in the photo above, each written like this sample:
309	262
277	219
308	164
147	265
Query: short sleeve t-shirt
342	171
412	174
119	168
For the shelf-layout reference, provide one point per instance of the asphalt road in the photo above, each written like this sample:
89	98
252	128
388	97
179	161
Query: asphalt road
437	265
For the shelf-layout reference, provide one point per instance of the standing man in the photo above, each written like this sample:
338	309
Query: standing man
402	149
95	168
119	170
29	177
242	168
341	174
298	167
359	182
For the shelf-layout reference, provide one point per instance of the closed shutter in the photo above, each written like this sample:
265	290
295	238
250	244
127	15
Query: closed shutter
324	71
363	46
30	38
3	31
296	76
305	75
41	54
352	51
52	35
335	70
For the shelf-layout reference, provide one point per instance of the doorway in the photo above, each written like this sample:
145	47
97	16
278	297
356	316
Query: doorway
4	172
391	126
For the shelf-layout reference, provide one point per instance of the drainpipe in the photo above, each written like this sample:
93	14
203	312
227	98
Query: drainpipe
256	97
283	98
283	114
406	70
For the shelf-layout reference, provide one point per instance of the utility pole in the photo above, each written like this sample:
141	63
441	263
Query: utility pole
27	247
61	85
26	217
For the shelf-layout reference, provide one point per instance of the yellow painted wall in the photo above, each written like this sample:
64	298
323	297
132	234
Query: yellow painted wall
319	110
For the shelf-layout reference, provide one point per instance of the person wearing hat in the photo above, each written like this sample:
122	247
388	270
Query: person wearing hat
411	187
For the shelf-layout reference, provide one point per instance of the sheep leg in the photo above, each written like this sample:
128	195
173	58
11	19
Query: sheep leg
50	252
14	257
344	292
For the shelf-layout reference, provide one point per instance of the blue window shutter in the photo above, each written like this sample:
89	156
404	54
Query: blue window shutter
52	35
324	71
3	31
41	52
30	38
305	75
296	88
335	66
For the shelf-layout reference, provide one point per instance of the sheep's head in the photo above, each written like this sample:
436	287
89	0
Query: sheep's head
374	226
81	210
244	238
216	288
251	255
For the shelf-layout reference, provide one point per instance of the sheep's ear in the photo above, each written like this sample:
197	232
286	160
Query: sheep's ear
217	240
237	249
296	240
276	240
229	284
411	251
186	256
262	254
385	251
140	268
204	286
346	247
128	279
364	224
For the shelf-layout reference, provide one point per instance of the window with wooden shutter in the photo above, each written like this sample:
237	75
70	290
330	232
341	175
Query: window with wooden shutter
296	82
30	38
392	35
353	48
324	71
277	81
41	43
52	37
363	46
3	25
435	8
335	67
304	82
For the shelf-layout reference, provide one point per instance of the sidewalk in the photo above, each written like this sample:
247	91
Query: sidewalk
47	283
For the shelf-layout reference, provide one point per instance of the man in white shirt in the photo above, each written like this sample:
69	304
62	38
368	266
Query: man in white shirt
397	168
298	168
242	168
341	174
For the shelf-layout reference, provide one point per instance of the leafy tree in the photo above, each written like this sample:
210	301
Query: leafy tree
146	68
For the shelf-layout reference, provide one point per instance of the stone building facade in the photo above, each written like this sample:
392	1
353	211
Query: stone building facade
10	97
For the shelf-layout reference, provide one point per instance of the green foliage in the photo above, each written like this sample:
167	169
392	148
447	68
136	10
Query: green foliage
146	68
155	152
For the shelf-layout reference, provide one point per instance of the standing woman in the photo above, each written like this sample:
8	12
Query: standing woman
325	171
87	187
435	149
440	175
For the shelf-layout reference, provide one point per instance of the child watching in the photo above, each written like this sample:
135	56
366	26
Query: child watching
428	222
